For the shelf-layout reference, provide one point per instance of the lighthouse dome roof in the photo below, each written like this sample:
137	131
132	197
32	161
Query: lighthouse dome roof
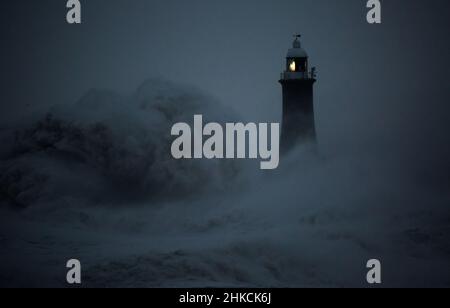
297	51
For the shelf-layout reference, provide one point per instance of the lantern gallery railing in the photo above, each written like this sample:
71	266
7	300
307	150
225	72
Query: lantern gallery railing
297	75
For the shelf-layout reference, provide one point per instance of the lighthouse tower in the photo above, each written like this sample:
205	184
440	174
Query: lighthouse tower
298	107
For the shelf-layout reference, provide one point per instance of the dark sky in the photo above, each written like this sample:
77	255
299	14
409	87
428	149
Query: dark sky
384	82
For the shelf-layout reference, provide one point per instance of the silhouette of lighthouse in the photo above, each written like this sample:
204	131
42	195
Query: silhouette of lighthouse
298	107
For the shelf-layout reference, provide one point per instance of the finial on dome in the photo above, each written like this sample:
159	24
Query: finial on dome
297	43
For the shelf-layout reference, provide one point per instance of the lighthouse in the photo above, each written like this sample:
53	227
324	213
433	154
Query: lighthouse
297	83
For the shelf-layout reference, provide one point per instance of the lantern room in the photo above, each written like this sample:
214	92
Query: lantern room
296	61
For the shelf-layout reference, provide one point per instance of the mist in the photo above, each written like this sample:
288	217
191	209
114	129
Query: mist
95	179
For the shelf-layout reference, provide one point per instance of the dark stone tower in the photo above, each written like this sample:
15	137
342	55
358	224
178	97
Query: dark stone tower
298	107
